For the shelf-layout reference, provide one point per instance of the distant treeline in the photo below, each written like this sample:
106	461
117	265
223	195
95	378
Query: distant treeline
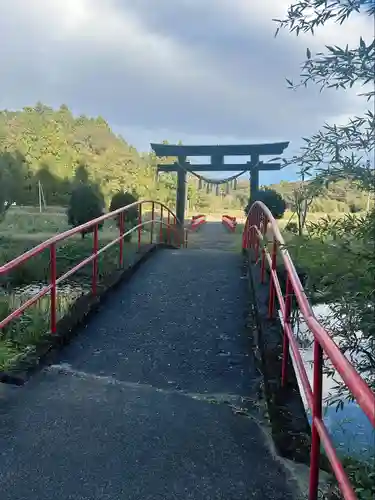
52	147
40	144
341	196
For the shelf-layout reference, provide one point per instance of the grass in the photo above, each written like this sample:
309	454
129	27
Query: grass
36	210
24	227
297	246
68	253
22	334
20	223
361	476
323	261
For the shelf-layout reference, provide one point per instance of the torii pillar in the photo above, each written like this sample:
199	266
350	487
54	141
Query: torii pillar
181	190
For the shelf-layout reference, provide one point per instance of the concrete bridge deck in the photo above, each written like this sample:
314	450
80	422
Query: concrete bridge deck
156	398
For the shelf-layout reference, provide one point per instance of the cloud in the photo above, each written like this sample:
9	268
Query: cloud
195	68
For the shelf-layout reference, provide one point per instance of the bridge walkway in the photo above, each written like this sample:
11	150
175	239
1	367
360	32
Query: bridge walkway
156	398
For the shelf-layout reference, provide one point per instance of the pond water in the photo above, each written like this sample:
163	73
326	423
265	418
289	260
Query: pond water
69	289
67	293
350	429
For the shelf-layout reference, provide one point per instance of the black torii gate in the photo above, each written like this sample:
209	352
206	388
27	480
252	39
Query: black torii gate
217	154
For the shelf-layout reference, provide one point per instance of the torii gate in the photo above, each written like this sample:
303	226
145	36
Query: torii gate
217	154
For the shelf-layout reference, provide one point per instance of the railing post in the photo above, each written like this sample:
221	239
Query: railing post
317	415
95	261
254	234
244	236
53	301
169	228
139	226
249	239
263	264
271	303
152	222
121	227
161	224
287	312
253	237
259	216
175	230
256	238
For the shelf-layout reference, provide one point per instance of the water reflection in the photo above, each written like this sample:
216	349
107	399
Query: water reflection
68	289
349	427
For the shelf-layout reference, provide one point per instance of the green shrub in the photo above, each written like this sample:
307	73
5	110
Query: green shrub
353	208
86	203
28	330
361	476
122	199
292	227
272	199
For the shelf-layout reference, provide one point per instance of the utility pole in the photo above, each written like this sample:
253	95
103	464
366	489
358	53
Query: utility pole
40	197
42	200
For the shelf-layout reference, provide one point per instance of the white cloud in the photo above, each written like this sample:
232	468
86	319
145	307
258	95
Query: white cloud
195	68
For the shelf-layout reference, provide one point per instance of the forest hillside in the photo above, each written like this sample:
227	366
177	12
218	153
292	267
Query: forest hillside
53	148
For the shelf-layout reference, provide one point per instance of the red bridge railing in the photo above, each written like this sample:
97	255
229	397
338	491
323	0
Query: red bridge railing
229	222
197	221
161	217
258	222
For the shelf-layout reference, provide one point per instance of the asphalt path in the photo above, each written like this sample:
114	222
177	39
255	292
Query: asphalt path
156	398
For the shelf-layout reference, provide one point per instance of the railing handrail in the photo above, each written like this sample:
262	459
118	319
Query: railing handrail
93	225
323	342
358	387
44	245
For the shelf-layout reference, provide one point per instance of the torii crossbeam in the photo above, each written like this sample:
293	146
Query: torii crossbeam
217	154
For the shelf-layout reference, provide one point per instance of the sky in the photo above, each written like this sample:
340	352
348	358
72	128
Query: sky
200	71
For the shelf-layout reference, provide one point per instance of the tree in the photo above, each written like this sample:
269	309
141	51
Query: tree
343	152
4	203
337	151
123	199
272	199
67	149
84	205
13	179
5	192
65	143
303	196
